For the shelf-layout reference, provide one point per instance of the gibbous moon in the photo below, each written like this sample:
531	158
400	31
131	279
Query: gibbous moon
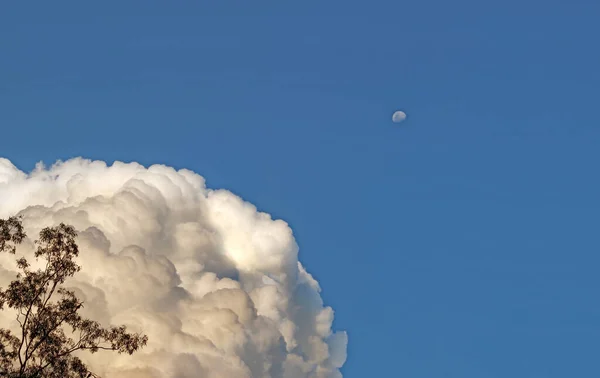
398	116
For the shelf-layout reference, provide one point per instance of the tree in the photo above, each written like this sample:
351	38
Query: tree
51	330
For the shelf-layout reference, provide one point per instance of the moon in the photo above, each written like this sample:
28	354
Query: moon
398	116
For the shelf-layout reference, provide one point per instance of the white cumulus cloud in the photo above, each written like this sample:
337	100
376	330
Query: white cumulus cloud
214	283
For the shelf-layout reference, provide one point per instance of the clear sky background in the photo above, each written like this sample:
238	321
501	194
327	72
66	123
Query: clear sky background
462	242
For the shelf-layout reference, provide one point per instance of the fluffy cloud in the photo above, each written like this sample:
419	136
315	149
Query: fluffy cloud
215	284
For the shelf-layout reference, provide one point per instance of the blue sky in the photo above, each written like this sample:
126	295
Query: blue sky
460	243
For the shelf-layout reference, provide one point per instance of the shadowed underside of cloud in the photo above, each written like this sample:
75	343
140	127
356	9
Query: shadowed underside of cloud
215	284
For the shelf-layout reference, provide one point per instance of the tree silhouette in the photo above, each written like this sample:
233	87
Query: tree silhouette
50	328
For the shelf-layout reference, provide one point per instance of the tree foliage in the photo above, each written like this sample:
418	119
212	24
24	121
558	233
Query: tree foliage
50	328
